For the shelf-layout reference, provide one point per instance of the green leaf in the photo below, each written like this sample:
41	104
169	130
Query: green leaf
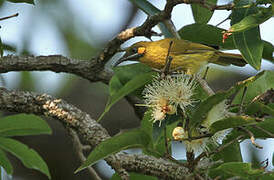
130	139
22	1
5	163
128	72
114	85
200	93
243	170
156	146
259	86
147	127
150	10
252	20
212	35
134	176
208	34
201	14
128	88
231	122
248	42
231	153
268	51
29	157
22	125
257	107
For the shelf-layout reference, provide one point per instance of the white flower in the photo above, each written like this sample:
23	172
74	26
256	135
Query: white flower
165	95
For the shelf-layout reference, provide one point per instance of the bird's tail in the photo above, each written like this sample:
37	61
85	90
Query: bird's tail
230	58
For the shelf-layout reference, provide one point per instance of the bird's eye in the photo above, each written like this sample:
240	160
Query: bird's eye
134	50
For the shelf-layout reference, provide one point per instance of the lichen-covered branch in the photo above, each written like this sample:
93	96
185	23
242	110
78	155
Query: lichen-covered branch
87	69
92	132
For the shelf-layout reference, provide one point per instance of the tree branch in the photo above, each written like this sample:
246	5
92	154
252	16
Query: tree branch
87	69
92	132
79	152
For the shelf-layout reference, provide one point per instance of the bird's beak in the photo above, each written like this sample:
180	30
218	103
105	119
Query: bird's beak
130	57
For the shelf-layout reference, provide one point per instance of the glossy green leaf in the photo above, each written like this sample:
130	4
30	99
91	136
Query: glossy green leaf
268	51
248	42
243	170
114	85
212	35
134	176
231	153
22	125
157	144
147	127
149	9
130	139
208	34
231	122
252	20
128	72
200	93
22	1
201	14
267	176
205	106
128	88
5	163
259	86
259	108
29	157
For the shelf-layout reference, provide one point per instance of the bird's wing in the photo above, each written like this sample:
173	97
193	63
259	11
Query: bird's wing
187	47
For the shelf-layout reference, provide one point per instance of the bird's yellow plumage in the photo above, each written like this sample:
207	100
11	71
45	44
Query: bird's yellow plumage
188	56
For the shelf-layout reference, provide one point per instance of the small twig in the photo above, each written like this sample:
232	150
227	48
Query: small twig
195	137
242	101
222	7
206	71
252	138
267	97
169	157
86	147
233	105
222	21
79	151
219	149
266	161
205	86
197	176
165	70
11	16
190	160
166	143
264	130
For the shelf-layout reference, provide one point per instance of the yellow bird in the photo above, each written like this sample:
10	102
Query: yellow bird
187	56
